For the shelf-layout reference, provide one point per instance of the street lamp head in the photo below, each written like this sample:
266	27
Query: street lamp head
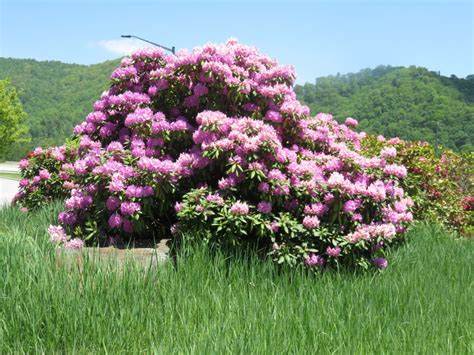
172	49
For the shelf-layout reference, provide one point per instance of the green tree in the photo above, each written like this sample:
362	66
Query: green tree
12	117
56	96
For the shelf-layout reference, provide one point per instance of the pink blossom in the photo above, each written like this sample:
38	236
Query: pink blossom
80	167
377	191
23	164
329	198
107	130
351	122
215	198
273	116
57	234
69	185
63	175
200	89
380	263
129	208
96	117
395	140
239	208
178	207
75	243
174	229
283	190
372	231
315	260
117	184
317	209
24	182
264	207
395	170
388	152
115	146
38	151
140	115
263	187
112	203
200	209
336	179
351	205
44	174
311	222
274	226
115	220
67	218
276	175
334	252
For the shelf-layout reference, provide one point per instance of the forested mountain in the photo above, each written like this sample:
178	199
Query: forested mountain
411	103
56	96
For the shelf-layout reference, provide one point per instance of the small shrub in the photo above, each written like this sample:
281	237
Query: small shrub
47	174
441	187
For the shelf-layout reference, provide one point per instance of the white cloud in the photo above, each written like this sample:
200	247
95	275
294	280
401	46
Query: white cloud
123	46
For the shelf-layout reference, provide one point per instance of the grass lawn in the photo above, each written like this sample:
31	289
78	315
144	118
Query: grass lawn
10	175
423	303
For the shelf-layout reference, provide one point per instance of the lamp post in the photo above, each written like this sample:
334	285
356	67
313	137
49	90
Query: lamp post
172	49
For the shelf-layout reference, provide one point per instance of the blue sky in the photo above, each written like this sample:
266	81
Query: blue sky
318	37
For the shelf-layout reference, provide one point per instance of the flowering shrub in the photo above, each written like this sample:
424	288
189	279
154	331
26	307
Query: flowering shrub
46	174
59	237
441	187
214	144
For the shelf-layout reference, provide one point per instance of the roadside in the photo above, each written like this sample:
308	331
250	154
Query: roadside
10	166
10	170
8	189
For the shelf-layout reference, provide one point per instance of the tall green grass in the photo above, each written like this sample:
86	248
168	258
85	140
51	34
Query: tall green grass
208	303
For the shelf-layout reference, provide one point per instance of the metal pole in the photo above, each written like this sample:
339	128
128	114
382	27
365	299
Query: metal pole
172	49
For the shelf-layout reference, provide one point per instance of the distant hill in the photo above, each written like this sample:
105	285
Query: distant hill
412	103
55	95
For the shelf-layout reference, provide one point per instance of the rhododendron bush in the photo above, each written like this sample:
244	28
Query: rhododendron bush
213	144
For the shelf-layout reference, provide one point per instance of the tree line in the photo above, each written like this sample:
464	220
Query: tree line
411	103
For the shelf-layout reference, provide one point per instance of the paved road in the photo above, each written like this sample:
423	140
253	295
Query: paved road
8	189
10	167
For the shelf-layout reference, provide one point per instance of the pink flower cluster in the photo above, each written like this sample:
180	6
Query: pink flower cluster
371	232
59	237
239	208
315	260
